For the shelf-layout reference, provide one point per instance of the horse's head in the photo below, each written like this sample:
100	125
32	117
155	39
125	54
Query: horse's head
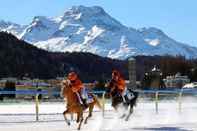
109	84
65	87
66	83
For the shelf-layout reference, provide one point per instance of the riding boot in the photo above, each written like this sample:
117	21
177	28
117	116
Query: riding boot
85	103
79	98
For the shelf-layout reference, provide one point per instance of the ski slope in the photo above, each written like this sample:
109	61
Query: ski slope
21	117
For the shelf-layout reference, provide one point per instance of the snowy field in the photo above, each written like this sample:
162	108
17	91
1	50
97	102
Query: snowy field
21	117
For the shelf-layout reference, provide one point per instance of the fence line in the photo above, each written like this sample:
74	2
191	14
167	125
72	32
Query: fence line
45	92
157	93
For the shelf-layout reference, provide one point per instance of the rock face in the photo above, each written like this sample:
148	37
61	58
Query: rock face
91	29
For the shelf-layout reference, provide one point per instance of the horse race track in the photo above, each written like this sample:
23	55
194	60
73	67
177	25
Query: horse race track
20	117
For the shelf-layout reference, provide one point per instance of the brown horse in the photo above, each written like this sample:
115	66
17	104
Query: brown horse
74	106
117	99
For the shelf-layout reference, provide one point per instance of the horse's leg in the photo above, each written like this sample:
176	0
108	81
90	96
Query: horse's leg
132	104
91	107
78	117
72	116
81	119
124	113
130	112
121	117
64	114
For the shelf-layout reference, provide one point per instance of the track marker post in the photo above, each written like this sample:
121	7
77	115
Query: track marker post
103	104
156	101
180	101
37	106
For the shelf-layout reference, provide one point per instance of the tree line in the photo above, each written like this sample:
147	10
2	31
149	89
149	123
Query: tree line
19	58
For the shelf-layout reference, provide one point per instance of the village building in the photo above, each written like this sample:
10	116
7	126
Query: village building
176	81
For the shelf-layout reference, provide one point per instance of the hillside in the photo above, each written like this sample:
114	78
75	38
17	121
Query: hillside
19	58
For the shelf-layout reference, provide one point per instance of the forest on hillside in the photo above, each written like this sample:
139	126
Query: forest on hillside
18	59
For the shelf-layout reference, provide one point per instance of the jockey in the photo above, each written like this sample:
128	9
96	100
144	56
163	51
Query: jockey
118	81
77	87
120	84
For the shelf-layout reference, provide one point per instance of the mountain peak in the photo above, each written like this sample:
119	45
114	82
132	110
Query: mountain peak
84	10
90	16
91	29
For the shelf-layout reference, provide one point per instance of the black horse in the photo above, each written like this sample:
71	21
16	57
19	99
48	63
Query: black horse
117	99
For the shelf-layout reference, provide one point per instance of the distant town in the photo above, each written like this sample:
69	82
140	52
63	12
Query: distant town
152	80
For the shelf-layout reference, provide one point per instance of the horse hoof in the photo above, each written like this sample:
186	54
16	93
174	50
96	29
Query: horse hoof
121	117
127	119
68	123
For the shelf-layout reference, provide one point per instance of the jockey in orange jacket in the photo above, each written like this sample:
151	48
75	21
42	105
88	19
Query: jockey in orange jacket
77	87
119	83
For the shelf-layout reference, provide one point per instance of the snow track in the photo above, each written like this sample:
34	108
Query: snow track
20	117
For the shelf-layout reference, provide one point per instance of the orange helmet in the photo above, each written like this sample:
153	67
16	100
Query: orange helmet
72	76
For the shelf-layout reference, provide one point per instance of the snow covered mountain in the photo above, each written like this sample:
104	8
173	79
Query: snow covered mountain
91	29
10	27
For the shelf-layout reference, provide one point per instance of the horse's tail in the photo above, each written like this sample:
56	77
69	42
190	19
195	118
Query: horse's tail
96	101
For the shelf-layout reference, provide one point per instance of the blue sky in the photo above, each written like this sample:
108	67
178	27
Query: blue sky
177	18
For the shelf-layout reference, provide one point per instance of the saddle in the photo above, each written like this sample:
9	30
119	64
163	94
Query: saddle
87	96
128	96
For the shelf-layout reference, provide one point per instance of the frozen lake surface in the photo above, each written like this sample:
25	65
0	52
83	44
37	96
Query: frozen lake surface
21	117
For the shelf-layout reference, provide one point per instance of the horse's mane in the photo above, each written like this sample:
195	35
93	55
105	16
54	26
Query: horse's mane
67	92
64	85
